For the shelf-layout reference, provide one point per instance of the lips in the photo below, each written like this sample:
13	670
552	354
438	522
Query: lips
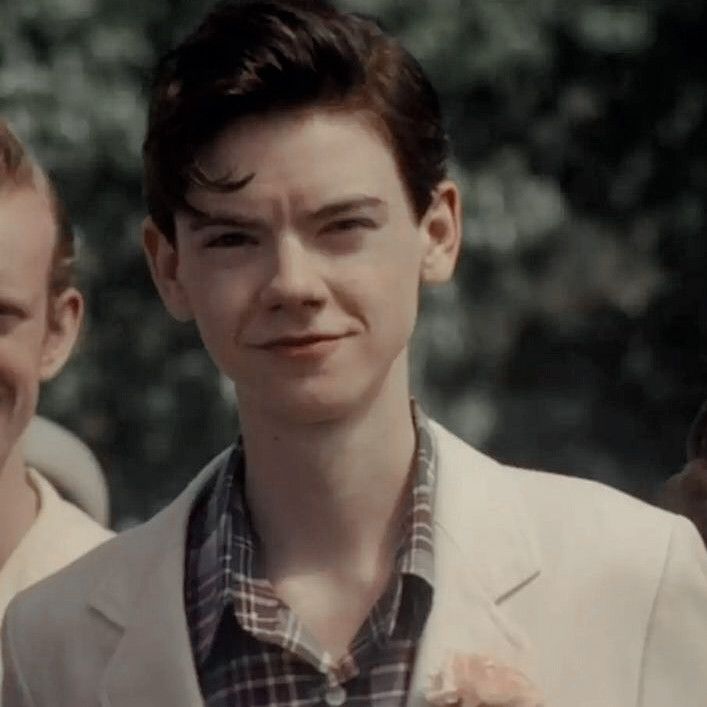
314	347
299	341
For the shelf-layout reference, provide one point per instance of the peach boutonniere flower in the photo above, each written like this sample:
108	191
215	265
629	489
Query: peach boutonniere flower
480	681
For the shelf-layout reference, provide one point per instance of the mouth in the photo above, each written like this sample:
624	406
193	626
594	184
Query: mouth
305	345
304	340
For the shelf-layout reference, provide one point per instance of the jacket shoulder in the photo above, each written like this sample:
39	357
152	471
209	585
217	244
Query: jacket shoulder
573	517
592	508
74	531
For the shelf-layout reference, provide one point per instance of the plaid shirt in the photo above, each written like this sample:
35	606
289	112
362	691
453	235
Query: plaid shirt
250	648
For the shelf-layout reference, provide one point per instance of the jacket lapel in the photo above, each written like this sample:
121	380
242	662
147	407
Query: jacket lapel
484	553
152	663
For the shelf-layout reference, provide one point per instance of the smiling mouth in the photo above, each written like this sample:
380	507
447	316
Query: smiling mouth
293	341
313	345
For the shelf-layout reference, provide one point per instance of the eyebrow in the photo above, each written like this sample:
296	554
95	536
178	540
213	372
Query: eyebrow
13	306
336	208
204	220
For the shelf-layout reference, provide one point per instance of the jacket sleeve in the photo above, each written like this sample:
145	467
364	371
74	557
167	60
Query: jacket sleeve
675	653
14	688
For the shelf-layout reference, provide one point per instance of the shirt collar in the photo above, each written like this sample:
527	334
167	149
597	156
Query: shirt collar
229	540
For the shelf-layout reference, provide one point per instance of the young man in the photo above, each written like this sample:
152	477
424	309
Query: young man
40	314
347	545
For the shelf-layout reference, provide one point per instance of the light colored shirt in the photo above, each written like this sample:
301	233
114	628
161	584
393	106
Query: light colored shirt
61	532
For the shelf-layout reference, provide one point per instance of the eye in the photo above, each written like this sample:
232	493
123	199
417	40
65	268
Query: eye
7	311
232	239
8	318
350	224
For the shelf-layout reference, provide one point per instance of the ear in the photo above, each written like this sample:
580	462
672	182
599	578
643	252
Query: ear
441	226
64	315
163	260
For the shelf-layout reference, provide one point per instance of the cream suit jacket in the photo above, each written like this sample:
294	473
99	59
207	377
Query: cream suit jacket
600	599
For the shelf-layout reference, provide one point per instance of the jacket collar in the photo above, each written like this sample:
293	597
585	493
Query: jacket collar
480	510
484	553
152	663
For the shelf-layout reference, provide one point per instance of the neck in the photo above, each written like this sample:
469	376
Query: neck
329	497
18	503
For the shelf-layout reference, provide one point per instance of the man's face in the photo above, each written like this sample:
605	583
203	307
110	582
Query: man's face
304	282
26	244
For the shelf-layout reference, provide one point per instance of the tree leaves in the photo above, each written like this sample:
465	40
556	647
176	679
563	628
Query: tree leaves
575	334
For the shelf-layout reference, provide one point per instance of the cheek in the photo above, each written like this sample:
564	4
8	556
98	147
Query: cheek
221	312
387	301
397	305
19	377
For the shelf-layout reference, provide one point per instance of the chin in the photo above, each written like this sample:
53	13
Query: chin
311	406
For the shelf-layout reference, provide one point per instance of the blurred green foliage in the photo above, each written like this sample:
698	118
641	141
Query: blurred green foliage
574	337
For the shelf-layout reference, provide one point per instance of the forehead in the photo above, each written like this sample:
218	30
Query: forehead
309	154
27	236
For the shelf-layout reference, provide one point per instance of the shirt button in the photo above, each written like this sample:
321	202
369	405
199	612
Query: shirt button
335	696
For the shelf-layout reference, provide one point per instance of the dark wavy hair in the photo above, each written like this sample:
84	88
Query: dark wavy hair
18	170
256	56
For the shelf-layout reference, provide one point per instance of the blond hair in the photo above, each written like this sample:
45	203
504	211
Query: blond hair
18	170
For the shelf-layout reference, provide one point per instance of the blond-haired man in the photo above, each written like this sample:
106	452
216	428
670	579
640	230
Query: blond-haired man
40	316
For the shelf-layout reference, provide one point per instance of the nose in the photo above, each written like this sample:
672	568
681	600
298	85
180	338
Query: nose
294	280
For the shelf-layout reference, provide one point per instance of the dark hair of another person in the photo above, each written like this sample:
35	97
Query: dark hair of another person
17	171
250	58
697	436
